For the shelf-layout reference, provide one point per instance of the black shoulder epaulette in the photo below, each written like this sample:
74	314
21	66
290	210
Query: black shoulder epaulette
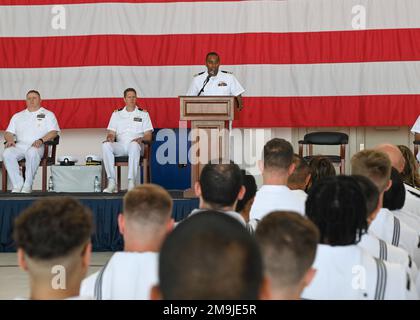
200	73
116	110
227	72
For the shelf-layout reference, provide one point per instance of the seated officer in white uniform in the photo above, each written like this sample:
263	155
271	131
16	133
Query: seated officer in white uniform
215	82
344	270
378	248
32	127
416	130
145	222
127	130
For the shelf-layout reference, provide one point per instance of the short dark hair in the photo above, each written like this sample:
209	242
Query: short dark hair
321	167
370	191
212	53
394	198
53	228
337	206
129	90
277	154
148	203
301	171
220	184
33	91
210	256
288	243
250	190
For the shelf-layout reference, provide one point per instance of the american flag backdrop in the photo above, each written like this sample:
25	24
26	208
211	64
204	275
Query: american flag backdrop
302	62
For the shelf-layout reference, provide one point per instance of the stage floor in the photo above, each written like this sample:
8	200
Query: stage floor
105	209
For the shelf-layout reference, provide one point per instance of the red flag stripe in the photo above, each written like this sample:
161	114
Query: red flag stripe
379	110
249	48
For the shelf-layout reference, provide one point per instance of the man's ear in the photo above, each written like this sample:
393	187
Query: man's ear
197	189
308	277
292	168
170	225
265	289
87	255
260	165
155	293
241	193
21	259
121	223
388	186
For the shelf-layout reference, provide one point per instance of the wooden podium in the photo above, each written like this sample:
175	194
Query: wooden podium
208	116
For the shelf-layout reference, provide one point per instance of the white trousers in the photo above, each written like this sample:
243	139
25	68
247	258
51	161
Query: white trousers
110	150
32	156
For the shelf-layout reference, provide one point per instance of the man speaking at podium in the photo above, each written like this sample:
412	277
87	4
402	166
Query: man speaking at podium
215	82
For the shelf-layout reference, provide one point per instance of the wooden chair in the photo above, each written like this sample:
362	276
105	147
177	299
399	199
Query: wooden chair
48	159
145	162
326	138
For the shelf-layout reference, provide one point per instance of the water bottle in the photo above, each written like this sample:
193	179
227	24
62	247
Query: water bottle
96	185
50	184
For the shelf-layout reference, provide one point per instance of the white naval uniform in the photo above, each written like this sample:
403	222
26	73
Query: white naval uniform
274	198
127	127
389	228
27	127
126	276
416	129
350	273
223	84
412	200
301	194
380	249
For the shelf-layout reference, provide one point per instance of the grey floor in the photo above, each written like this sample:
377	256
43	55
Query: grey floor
14	281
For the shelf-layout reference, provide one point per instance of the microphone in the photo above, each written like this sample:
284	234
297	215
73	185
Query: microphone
205	83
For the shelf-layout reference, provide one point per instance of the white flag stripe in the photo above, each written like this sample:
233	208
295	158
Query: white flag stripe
259	80
207	17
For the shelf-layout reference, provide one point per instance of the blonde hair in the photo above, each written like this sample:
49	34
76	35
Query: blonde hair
374	165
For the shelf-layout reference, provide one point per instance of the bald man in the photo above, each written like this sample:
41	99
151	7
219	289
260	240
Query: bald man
412	196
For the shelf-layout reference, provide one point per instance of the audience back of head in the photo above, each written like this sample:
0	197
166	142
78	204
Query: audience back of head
410	174
300	177
394	197
220	184
374	165
244	205
288	242
277	156
320	168
51	232
210	256
337	206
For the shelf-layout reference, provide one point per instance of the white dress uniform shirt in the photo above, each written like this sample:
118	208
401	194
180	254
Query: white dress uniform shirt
412	200
301	194
408	218
350	273
223	84
27	127
389	228
127	276
380	249
127	126
273	198
416	126
416	129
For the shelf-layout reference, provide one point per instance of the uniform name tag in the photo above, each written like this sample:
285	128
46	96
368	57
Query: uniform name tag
40	116
222	84
137	119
